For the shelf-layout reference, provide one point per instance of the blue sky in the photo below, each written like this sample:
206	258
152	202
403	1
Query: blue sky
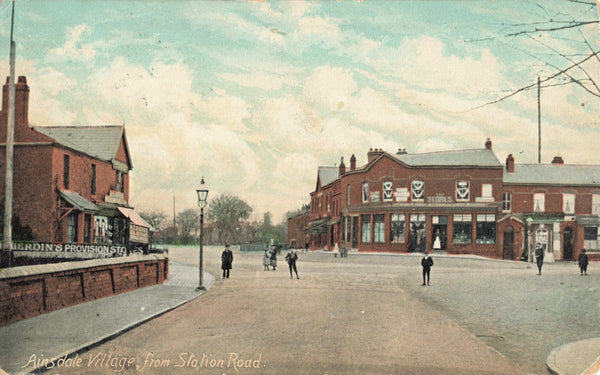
254	96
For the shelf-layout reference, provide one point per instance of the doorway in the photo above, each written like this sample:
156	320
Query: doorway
439	225
508	248
568	244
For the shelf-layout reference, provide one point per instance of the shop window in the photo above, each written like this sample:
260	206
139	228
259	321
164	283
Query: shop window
462	191
93	183
462	229
596	204
379	228
486	229
417	236
365	228
66	167
418	190
87	229
388	191
539	202
569	204
365	192
72	227
397	228
506	202
348	195
590	238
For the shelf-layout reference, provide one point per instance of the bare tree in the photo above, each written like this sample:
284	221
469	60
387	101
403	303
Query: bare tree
155	218
227	212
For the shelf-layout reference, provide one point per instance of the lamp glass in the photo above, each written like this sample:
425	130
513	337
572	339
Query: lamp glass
202	197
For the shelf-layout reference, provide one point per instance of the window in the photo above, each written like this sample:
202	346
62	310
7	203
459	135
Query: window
388	191
93	179
486	190
365	192
569	203
365	227
397	228
486	229
66	165
590	238
379	228
538	202
506	201
347	195
119	182
596	204
462	191
418	188
72	224
461	231
87	229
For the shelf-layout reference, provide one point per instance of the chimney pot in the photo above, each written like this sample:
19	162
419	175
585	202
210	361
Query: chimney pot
342	167
488	144
352	162
510	164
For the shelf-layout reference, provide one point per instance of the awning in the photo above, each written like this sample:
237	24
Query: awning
318	226
134	217
588	220
78	202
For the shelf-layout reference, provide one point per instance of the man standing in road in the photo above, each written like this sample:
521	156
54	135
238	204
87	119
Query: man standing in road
291	258
226	261
582	260
426	263
539	257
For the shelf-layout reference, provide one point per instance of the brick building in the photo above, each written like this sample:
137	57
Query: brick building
71	184
462	201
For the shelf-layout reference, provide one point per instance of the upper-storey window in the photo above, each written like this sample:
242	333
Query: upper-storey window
365	192
66	167
348	195
486	191
120	183
418	190
462	191
388	191
506	202
569	203
93	182
539	200
596	204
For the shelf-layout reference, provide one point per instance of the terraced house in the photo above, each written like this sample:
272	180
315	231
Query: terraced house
459	201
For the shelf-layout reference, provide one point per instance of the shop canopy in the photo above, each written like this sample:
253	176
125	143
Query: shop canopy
78	202
134	217
318	226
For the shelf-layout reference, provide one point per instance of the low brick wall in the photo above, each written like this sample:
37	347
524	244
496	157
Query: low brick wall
29	291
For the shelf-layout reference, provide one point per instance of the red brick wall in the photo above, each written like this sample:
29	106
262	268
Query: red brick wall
296	227
29	291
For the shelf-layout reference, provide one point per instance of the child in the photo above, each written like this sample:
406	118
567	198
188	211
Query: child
583	262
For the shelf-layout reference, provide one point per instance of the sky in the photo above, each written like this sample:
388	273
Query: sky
255	96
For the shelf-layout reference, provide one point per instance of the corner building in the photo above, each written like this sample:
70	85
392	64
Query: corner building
459	202
71	184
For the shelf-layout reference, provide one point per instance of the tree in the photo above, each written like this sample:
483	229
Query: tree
577	63
227	211
189	223
155	218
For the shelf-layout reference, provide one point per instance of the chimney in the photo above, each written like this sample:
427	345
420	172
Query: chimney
558	160
342	167
373	154
21	101
401	151
352	162
510	164
488	144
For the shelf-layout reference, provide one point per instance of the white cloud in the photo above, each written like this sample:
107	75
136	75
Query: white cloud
324	27
73	48
329	86
227	110
261	80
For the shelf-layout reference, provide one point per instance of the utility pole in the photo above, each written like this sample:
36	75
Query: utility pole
539	125
10	140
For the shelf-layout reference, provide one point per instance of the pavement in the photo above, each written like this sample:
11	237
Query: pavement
36	344
32	345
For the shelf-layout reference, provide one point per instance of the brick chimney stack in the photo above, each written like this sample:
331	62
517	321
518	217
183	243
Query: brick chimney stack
352	162
342	167
558	160
488	144
373	154
510	164
21	101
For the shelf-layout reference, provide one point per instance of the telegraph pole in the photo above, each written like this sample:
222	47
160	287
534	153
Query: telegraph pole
539	125
10	140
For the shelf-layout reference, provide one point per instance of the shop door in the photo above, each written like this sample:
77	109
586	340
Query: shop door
568	244
508	249
354	232
439	232
417	234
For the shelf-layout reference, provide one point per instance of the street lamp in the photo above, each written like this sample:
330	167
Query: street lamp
202	198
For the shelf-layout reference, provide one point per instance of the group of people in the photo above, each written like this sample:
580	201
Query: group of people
269	259
582	260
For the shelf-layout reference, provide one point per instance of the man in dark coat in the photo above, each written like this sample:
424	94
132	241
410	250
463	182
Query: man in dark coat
539	257
291	258
426	263
583	262
226	260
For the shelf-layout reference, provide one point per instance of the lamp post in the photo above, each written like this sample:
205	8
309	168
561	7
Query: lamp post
202	198
528	235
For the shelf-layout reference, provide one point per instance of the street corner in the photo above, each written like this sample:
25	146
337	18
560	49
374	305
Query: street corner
580	357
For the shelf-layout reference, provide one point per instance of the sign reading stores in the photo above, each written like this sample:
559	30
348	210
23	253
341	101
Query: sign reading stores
70	248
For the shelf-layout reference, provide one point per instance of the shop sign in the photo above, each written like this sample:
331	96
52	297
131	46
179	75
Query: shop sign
439	199
70	248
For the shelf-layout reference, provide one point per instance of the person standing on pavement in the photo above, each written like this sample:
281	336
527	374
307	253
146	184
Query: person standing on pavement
426	263
306	246
226	261
291	258
267	260
539	257
582	260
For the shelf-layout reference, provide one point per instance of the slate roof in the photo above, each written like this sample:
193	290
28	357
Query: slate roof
101	142
563	174
328	174
460	158
78	201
